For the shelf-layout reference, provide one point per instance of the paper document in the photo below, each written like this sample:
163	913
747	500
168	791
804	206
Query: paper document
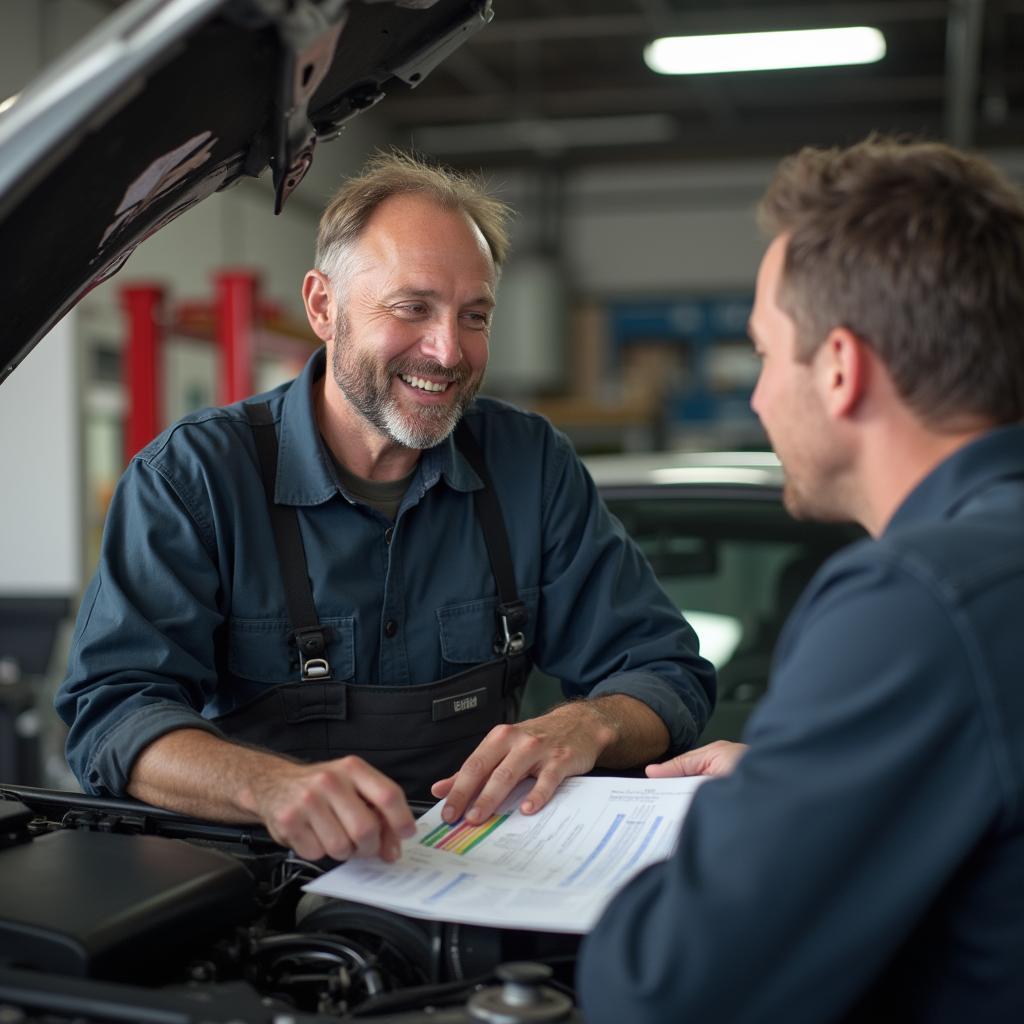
551	871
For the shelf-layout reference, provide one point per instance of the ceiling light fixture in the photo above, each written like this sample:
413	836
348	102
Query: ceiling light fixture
764	51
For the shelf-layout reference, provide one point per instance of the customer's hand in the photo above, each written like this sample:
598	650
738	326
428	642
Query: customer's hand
718	758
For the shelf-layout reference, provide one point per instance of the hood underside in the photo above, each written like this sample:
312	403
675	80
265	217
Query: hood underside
171	100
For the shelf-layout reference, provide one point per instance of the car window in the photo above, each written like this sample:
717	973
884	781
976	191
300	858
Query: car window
735	567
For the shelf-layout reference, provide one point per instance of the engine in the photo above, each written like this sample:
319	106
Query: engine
113	910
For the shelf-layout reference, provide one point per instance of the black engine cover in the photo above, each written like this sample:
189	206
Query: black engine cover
101	905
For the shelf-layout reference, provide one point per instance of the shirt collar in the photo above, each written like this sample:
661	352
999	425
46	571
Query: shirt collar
305	475
995	455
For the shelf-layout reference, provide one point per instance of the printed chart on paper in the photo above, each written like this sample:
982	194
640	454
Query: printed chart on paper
552	871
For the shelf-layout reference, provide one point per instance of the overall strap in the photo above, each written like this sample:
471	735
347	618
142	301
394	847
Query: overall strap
511	612
307	634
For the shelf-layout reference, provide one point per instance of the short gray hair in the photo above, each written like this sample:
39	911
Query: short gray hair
392	173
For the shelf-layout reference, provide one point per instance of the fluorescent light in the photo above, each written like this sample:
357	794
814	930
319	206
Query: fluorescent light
9	102
764	51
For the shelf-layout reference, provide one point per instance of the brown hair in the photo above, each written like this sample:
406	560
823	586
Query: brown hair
918	249
393	173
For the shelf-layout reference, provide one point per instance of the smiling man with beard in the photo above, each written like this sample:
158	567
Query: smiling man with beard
326	599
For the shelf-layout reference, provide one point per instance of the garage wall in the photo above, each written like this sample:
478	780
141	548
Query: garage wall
40	532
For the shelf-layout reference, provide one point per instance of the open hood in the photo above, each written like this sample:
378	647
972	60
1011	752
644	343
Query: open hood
171	100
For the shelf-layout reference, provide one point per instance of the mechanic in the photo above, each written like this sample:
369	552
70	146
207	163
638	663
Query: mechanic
862	858
315	603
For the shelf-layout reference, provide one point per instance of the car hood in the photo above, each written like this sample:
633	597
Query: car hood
172	100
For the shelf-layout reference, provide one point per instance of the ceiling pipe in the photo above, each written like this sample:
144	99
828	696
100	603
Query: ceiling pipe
963	55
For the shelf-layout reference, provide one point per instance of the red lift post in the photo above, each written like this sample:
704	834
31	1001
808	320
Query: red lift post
235	318
242	325
143	306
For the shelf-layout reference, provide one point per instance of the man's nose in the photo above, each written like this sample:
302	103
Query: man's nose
442	341
755	397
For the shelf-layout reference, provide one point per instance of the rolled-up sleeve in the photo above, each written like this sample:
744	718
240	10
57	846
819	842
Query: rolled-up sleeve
142	659
607	625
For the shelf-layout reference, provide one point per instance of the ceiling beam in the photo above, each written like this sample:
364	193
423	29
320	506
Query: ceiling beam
472	73
592	26
454	108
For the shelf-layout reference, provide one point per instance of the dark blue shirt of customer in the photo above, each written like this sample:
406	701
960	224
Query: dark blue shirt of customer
861	858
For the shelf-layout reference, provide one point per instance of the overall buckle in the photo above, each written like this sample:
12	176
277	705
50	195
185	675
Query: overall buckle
511	639
311	644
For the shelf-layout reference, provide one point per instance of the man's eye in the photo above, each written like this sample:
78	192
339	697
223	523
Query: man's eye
411	309
478	321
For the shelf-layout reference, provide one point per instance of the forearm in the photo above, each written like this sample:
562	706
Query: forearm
335	808
197	773
633	734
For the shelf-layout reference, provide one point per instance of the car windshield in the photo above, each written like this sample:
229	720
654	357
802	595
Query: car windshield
735	568
734	565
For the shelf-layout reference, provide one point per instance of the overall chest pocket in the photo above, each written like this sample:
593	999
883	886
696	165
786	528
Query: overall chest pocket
468	630
259	651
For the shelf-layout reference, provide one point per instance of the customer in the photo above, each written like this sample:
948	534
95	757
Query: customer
863	859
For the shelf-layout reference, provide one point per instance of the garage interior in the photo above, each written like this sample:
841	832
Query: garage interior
622	311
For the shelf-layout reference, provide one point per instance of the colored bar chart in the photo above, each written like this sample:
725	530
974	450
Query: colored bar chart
461	837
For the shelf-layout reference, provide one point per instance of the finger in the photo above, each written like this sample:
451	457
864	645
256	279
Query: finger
342	820
693	762
343	825
717	758
516	766
543	790
363	826
304	841
390	844
382	794
293	822
442	787
475	771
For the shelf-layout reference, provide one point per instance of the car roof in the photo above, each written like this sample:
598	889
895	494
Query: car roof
169	101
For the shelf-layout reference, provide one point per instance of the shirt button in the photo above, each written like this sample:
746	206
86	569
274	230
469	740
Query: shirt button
390	628
388	534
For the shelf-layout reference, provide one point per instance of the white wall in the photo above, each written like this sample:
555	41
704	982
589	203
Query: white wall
649	228
665	228
40	528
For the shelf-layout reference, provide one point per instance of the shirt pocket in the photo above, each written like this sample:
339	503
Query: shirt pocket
259	649
468	630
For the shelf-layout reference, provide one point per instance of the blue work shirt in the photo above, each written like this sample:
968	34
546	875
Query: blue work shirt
865	860
186	617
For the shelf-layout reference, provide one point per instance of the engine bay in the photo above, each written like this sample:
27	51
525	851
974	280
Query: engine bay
111	910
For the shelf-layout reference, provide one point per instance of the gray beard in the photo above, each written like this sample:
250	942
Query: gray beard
369	392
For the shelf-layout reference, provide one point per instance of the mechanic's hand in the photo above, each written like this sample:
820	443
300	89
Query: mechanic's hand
566	741
337	809
718	758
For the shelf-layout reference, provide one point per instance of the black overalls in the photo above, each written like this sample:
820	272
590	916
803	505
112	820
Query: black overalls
414	734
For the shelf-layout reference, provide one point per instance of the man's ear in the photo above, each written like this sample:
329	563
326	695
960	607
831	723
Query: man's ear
842	371
318	298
